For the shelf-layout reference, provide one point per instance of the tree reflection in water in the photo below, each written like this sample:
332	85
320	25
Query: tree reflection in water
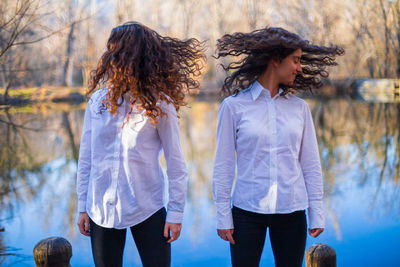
29	142
40	148
362	136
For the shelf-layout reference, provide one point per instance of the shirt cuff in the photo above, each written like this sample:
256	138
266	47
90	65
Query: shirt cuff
81	206
225	221
174	217
316	217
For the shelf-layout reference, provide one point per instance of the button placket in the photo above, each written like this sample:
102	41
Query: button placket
273	152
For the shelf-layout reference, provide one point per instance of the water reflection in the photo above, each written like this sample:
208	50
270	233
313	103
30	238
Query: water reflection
359	145
363	137
29	142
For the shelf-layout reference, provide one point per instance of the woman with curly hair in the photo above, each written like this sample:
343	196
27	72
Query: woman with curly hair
268	134
120	183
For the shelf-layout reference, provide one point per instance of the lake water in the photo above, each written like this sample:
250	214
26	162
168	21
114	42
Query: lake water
360	154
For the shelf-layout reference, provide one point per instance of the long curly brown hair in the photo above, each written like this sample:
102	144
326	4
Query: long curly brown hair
257	48
151	67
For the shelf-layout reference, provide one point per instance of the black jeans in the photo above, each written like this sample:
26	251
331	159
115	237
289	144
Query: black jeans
108	243
287	232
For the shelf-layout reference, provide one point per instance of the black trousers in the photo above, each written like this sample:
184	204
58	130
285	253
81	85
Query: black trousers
108	243
287	232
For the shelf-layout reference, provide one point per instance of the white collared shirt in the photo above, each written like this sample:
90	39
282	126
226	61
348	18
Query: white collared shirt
120	182
277	158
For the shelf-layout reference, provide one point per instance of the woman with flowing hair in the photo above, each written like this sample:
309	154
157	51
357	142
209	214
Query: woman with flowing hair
120	183
267	133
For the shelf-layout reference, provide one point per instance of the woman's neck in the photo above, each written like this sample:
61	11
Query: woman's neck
268	81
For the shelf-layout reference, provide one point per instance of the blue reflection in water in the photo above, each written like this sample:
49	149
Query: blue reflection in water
361	202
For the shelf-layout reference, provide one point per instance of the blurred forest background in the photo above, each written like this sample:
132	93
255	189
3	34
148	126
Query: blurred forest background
58	43
48	49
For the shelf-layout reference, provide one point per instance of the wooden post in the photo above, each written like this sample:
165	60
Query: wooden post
320	255
52	251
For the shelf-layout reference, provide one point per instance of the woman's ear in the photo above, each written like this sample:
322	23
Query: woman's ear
275	62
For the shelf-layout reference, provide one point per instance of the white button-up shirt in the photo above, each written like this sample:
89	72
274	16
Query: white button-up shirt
278	164
120	182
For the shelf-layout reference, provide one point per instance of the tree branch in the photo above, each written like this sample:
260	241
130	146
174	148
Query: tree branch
51	34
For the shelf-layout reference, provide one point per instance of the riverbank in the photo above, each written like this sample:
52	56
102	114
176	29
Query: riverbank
58	96
33	95
76	95
380	90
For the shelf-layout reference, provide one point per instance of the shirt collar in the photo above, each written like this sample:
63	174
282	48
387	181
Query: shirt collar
256	88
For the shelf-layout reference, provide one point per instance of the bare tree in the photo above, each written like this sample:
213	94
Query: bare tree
125	11
396	15
254	11
75	15
16	20
384	8
73	32
23	25
89	59
68	64
188	8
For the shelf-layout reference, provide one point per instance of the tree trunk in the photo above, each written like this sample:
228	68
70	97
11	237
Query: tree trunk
397	15
320	255
398	51
52	251
6	84
68	65
387	39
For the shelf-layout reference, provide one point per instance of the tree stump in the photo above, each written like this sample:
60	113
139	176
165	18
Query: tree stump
320	255
52	251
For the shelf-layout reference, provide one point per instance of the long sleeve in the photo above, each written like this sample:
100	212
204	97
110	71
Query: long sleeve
168	130
224	166
311	167
84	162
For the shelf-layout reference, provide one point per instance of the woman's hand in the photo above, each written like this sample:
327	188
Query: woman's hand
226	234
83	223
174	228
315	232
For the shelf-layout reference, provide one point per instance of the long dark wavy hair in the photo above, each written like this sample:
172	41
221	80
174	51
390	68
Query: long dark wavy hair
151	67
257	48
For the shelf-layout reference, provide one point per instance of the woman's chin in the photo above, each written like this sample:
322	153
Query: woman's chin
289	83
